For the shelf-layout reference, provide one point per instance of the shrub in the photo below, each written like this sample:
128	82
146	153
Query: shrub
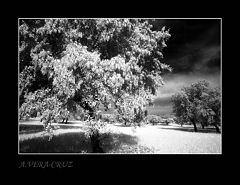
110	118
94	130
154	119
27	111
139	115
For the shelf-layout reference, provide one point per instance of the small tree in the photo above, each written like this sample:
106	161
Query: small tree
198	103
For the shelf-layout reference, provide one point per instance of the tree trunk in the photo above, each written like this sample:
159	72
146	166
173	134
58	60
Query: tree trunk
202	126
195	126
217	128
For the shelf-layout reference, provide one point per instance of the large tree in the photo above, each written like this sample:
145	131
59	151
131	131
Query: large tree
65	63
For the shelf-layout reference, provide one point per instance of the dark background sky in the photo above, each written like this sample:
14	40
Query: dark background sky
194	45
193	51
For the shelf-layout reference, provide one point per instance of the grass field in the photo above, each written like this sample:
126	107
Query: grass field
159	139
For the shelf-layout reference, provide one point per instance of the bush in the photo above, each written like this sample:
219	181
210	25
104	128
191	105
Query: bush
27	111
167	121
94	131
139	115
154	119
110	118
131	113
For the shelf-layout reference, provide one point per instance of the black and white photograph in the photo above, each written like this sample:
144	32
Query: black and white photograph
109	86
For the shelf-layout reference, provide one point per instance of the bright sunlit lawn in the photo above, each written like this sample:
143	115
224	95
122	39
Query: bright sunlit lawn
70	138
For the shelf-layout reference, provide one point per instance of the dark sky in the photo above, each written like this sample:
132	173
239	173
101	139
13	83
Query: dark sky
193	51
194	45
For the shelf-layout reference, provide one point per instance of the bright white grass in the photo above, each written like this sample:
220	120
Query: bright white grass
163	141
173	141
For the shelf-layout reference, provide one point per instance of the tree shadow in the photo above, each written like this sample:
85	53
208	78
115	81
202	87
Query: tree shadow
69	126
112	142
122	125
191	129
71	122
163	124
75	142
30	129
71	142
29	120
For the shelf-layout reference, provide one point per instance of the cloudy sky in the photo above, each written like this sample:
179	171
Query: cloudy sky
193	51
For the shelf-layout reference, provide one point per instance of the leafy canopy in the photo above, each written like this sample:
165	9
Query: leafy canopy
66	63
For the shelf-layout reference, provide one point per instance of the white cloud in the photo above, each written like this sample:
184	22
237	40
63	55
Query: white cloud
174	82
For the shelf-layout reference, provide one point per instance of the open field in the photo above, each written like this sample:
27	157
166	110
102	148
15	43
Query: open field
159	139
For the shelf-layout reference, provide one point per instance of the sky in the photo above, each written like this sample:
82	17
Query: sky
193	51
